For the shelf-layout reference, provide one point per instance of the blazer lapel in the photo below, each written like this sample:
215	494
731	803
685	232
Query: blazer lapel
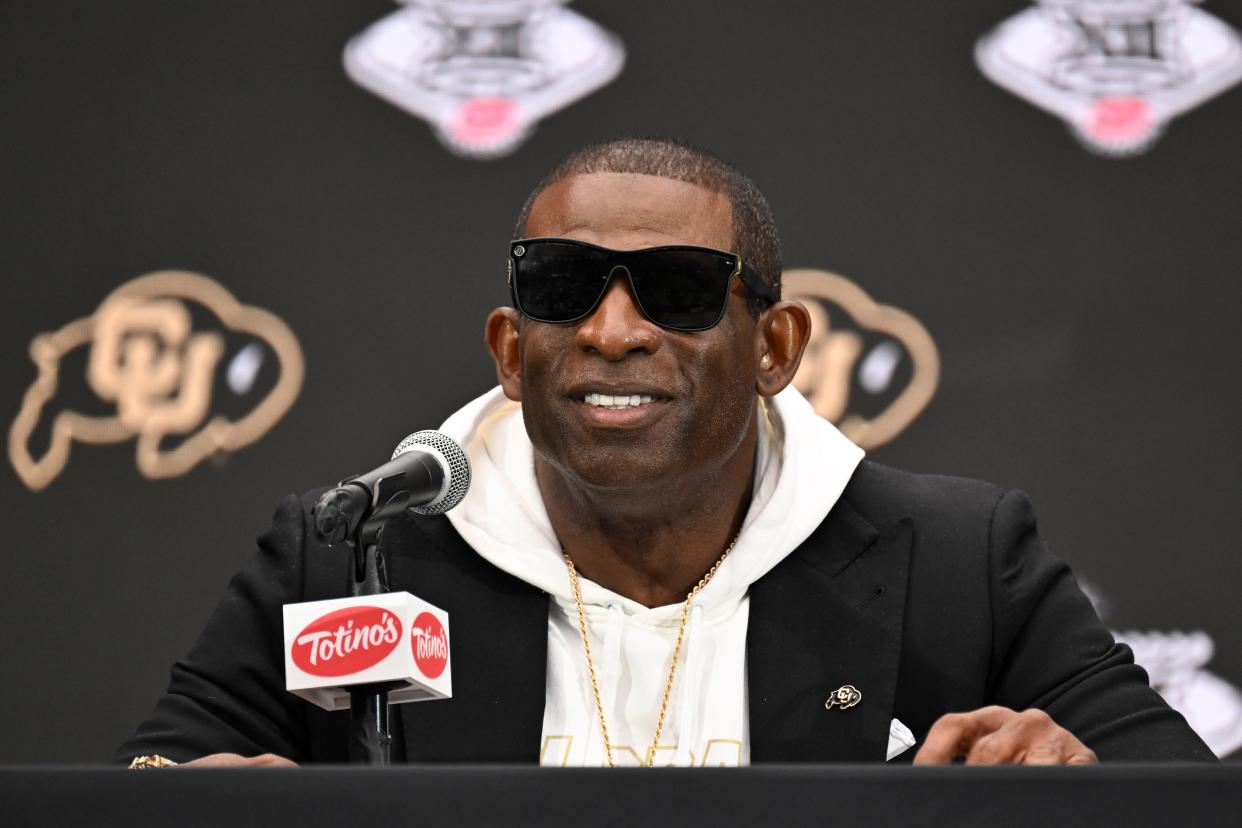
830	615
498	639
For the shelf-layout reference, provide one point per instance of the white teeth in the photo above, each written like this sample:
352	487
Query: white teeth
617	401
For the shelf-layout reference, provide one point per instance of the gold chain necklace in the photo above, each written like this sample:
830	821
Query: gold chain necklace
649	760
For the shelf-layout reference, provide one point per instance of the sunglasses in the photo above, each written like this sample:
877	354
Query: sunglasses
678	287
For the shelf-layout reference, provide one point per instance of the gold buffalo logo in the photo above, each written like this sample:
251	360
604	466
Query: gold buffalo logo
843	698
155	375
869	368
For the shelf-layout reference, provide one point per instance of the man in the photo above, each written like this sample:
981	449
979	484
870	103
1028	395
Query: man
667	558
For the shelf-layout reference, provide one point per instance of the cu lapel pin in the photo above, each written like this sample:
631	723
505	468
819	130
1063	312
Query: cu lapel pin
843	698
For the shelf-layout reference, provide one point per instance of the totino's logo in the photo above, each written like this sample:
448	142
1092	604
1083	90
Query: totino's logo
1115	70
151	356
346	641
430	644
870	369
483	73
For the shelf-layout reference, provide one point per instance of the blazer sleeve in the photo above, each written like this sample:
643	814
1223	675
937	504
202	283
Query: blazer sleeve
227	695
1051	651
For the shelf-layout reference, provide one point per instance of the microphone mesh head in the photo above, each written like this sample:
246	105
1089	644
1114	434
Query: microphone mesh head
456	469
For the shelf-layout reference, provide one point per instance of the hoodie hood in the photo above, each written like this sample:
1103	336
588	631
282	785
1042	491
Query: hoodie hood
803	465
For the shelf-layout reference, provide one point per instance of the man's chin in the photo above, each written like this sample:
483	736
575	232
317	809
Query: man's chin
621	469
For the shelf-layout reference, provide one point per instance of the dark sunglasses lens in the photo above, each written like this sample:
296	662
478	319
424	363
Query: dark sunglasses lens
682	289
558	282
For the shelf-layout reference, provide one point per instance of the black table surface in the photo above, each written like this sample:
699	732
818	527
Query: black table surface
1166	795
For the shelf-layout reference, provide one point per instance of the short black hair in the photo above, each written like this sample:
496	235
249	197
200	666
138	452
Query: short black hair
754	228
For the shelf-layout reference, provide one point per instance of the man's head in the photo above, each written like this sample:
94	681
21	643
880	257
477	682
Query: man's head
682	404
754	229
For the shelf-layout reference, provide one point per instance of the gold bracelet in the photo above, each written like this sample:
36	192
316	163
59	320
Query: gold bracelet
152	761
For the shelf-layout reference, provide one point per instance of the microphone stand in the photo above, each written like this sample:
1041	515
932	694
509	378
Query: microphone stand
370	741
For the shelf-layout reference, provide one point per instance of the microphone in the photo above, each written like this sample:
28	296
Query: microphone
376	647
428	474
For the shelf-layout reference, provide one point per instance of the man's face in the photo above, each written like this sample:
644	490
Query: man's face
701	385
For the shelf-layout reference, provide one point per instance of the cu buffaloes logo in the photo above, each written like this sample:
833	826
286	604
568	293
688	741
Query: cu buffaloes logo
170	360
870	369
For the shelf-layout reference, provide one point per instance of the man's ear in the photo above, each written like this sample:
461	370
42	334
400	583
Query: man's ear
781	335
501	336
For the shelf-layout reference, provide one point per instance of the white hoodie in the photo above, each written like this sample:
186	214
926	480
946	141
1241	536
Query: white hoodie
803	464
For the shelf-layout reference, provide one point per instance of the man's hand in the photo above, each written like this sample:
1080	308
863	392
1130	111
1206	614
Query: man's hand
233	760
1000	736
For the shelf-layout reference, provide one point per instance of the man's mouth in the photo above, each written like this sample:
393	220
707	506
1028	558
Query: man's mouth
610	406
617	401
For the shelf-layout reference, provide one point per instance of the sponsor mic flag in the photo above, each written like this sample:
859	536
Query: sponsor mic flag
331	646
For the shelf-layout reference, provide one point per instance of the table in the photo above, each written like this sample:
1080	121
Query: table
1165	795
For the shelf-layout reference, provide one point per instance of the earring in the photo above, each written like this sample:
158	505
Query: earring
765	361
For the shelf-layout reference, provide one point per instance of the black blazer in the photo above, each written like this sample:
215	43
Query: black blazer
928	594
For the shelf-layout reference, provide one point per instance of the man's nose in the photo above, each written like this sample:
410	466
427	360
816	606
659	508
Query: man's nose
617	327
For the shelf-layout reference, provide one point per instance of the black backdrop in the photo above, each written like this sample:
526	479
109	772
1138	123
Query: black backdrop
1084	307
